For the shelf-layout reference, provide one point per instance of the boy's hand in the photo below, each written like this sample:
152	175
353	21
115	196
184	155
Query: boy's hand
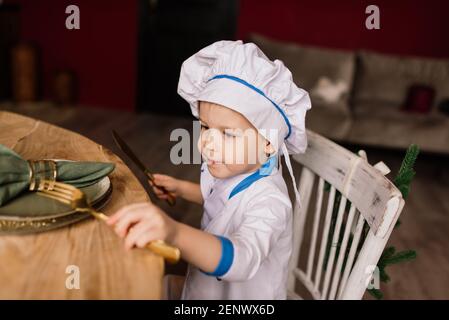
172	185
141	223
176	188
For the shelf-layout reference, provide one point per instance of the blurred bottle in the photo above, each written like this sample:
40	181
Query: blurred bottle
65	88
24	73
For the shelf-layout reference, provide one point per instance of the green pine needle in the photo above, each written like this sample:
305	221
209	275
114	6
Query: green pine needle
409	159
387	253
376	293
406	255
406	171
383	276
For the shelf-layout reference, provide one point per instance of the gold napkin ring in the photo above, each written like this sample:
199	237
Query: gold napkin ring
42	174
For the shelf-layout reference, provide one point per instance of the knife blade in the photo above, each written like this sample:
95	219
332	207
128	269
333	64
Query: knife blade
131	155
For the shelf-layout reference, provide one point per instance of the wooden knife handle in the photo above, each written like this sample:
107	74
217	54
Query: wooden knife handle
171	254
171	200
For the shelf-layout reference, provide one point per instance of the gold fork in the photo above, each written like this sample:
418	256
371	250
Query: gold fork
74	197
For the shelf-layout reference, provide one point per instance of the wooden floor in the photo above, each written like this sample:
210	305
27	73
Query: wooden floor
425	219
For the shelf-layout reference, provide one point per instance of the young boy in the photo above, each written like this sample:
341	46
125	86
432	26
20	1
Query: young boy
249	109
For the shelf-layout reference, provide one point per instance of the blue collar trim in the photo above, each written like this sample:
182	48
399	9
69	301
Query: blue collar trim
225	76
264	170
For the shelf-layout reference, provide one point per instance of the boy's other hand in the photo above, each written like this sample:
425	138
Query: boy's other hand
141	223
171	184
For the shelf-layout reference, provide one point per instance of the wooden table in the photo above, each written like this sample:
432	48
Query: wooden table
36	266
425	219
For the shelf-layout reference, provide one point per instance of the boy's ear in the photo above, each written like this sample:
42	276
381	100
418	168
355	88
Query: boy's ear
269	148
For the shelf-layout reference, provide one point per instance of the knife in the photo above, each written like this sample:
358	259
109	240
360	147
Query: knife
127	150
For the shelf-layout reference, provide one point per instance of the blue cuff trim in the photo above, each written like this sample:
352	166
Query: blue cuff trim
227	257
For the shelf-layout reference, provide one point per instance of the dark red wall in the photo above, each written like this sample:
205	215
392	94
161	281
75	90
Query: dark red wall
410	27
102	52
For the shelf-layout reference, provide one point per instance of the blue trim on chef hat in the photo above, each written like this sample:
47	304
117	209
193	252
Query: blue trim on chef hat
225	76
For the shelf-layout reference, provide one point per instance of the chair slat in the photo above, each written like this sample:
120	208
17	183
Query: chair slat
370	253
375	203
352	251
333	250
350	175
342	253
299	215
316	222
302	277
292	295
327	224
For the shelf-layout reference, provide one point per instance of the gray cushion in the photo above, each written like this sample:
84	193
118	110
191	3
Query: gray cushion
386	79
397	129
309	64
328	122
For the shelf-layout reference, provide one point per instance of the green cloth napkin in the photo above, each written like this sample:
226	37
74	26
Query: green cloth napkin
14	173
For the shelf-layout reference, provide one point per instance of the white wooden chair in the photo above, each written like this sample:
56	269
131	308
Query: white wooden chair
373	200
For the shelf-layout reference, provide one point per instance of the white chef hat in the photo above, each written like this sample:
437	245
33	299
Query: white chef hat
239	76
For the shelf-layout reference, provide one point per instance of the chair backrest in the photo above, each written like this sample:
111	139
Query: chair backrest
352	214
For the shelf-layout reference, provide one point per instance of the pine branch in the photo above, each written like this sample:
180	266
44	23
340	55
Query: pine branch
402	182
406	255
409	159
376	293
387	253
383	276
389	256
406	171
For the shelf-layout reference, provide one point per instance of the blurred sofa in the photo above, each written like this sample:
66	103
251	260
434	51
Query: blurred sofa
359	97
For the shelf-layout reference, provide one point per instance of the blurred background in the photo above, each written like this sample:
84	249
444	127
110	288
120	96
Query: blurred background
379	90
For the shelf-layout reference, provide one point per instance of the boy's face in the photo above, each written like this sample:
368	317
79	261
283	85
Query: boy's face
229	143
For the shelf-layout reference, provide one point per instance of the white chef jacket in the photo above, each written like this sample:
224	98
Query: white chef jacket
256	218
